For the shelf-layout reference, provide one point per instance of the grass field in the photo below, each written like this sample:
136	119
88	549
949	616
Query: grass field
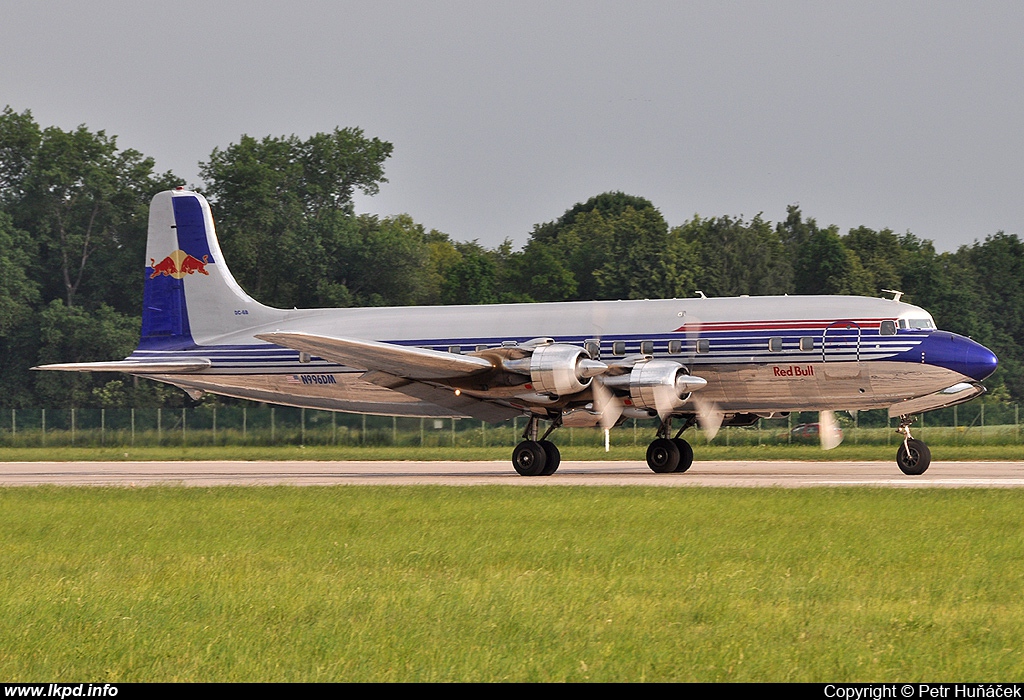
505	584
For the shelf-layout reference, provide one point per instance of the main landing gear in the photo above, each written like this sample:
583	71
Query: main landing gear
666	455
534	457
913	456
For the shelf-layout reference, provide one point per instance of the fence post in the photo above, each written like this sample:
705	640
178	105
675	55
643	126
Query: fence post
72	427
421	431
362	435
956	428
302	427
394	430
334	428
214	425
43	437
1016	422
103	426
183	426
133	426
453	431
272	426
244	421
982	424
14	427
159	426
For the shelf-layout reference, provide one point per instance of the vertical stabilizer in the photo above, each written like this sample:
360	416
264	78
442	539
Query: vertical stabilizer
190	297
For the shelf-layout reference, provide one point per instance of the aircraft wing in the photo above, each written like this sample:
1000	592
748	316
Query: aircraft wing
419	364
467	405
132	366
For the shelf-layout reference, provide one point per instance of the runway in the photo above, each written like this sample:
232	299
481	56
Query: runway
721	474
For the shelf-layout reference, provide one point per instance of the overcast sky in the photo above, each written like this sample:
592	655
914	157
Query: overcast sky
905	115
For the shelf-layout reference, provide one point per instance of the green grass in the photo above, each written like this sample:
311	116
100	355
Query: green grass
506	584
844	452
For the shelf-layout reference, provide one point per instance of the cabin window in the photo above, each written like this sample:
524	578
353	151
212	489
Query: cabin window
593	348
775	344
647	347
457	349
675	347
806	343
703	346
619	347
481	347
887	328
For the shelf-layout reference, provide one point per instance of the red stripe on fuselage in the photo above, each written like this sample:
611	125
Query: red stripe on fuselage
778	325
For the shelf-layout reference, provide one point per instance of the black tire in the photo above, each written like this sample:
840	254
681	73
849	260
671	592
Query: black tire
685	454
552	457
913	457
663	456
529	458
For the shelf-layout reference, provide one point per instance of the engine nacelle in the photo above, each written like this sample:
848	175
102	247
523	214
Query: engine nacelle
560	369
658	384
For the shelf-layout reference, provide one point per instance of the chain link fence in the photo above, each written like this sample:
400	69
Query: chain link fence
973	423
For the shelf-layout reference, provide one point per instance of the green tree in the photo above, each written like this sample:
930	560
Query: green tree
473	279
735	257
821	263
72	334
283	203
645	261
85	204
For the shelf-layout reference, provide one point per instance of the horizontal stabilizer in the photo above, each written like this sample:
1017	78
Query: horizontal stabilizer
133	367
401	361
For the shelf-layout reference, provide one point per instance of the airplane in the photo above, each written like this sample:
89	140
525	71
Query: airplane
700	361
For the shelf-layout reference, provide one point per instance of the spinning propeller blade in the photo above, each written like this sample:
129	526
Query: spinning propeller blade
606	403
709	417
828	430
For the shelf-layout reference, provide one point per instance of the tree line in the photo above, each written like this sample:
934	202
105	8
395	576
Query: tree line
74	213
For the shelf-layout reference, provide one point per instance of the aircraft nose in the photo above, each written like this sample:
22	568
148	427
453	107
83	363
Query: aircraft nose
978	361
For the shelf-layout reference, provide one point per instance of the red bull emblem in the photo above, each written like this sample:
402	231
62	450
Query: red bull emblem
178	264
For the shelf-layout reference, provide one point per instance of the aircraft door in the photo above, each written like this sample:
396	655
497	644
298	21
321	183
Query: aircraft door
841	342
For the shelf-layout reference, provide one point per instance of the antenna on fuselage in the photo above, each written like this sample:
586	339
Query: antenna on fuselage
701	294
896	295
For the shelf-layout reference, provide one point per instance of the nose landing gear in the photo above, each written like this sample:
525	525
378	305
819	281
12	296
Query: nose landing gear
913	457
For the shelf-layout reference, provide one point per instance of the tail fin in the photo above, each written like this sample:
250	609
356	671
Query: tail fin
190	297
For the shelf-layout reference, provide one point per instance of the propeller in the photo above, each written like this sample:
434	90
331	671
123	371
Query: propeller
828	430
606	403
708	416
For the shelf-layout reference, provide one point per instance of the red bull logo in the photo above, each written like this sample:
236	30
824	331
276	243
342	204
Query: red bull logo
178	264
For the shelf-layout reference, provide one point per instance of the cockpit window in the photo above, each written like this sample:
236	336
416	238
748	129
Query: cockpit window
924	324
887	328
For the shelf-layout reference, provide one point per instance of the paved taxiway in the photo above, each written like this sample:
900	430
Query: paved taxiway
776	473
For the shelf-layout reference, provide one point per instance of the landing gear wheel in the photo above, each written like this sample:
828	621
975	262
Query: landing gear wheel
685	454
663	456
913	457
552	457
529	458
